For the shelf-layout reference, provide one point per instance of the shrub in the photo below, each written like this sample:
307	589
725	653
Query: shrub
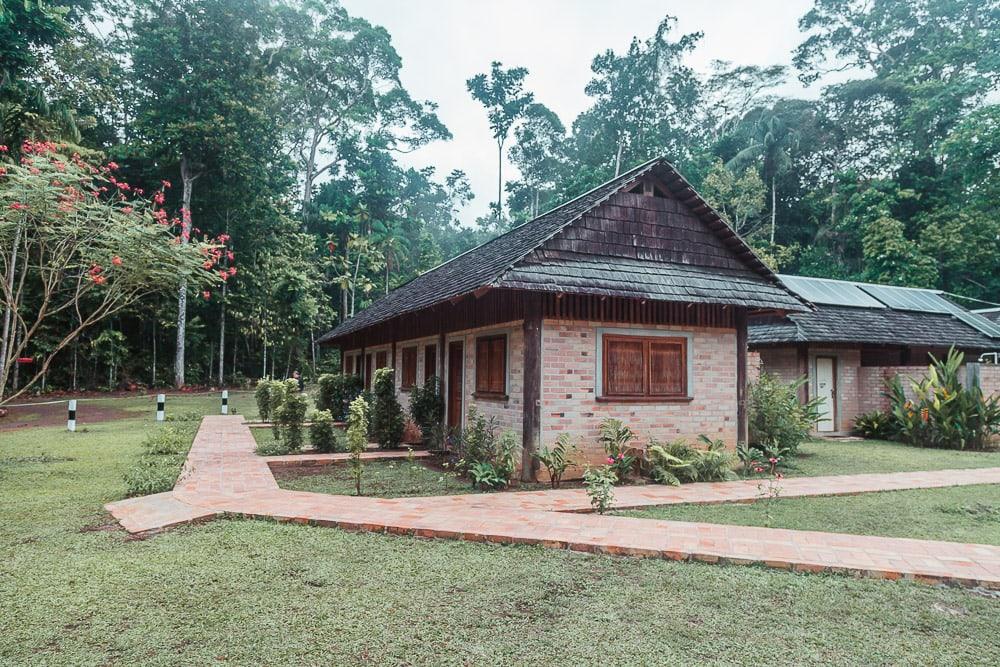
357	437
336	393
943	413
412	435
262	395
877	424
291	414
491	456
157	469
600	483
776	417
615	438
276	392
323	436
272	448
427	408
557	459
756	460
386	414
677	461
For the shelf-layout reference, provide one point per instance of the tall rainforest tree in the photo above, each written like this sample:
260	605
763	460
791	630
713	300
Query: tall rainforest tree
506	101
201	80
538	153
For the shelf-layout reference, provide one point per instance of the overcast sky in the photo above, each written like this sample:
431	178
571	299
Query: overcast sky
444	42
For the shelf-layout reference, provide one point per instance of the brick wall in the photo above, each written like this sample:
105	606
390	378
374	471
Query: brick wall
780	361
507	413
989	378
569	367
755	366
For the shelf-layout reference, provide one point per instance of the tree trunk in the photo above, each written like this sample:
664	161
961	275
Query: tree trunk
222	338
774	207
187	178
618	157
154	353
499	183
8	313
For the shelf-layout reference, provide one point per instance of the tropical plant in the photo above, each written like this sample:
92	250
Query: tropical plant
262	396
557	459
323	436
291	414
427	408
943	412
481	444
677	461
776	417
336	391
615	437
600	483
387	415
357	438
878	424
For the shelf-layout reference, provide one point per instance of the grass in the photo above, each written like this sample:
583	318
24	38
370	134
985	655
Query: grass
852	457
384	479
257	592
958	514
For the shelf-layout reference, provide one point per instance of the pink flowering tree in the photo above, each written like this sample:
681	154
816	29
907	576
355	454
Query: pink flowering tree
77	245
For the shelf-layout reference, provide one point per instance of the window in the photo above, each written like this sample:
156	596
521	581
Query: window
409	375
430	362
381	359
349	364
644	367
491	366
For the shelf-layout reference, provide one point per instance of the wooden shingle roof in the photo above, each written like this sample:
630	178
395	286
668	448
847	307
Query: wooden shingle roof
523	259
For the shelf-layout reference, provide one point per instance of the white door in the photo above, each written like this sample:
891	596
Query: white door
825	386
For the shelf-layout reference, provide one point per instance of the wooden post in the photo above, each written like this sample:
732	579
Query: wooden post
532	383
802	366
392	361
741	375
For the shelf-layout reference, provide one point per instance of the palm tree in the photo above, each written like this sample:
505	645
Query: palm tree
772	142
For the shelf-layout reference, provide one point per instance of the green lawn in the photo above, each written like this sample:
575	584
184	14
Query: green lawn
257	592
852	457
958	514
388	479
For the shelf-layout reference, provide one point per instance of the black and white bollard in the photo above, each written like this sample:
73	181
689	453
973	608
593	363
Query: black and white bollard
71	416
225	401
160	407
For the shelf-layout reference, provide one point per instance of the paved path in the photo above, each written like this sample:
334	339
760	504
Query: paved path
224	476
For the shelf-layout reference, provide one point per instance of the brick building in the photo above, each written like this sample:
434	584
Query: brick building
859	335
630	301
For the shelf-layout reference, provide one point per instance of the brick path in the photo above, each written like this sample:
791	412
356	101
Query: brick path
224	476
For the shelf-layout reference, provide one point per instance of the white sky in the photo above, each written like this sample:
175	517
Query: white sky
444	42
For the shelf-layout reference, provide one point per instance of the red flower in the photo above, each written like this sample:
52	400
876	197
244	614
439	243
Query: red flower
99	280
18	206
126	210
3	170
230	256
112	166
232	270
224	275
117	261
207	264
3	148
206	295
159	198
611	460
95	269
166	184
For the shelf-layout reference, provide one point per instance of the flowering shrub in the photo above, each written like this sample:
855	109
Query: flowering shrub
600	483
615	438
357	437
944	413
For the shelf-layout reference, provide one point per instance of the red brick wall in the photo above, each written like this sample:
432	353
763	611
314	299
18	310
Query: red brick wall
569	405
782	362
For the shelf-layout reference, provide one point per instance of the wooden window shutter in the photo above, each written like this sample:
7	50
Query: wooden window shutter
349	365
667	367
381	359
409	374
624	371
491	365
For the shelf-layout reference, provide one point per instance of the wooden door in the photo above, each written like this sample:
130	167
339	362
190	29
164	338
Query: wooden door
456	364
826	391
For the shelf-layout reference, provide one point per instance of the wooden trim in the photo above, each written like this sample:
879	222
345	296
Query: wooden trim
490	396
742	424
644	399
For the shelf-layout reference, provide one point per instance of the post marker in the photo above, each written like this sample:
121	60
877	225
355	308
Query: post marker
225	401
160	407
71	416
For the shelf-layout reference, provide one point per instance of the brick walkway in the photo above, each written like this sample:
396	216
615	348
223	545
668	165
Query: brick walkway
224	476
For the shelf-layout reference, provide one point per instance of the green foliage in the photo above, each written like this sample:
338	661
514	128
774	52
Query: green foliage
387	415
157	468
615	437
262	396
600	483
943	412
557	459
276	393
427	408
878	424
357	438
323	436
290	415
776	417
480	447
336	391
676	462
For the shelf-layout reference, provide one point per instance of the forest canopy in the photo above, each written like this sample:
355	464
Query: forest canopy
281	125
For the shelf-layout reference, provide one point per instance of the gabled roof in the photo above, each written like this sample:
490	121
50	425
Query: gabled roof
498	263
867	313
